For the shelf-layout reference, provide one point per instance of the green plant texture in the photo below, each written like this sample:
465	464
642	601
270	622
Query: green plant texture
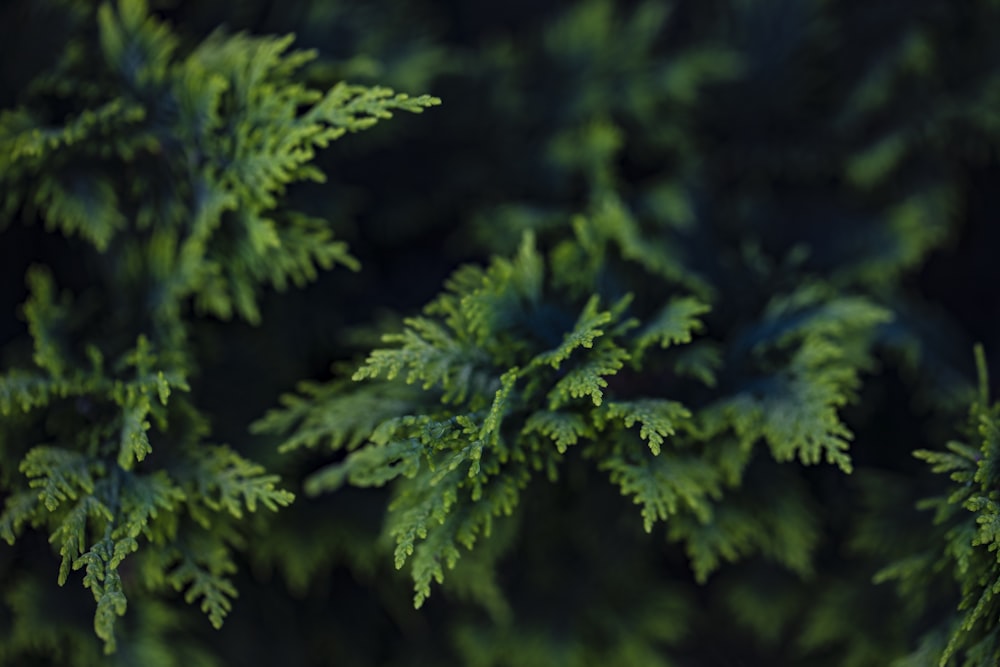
652	346
168	171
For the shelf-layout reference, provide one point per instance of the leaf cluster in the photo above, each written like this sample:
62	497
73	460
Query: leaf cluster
166	167
969	513
498	382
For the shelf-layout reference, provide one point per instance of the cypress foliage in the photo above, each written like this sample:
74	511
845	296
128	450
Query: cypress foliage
656	348
167	174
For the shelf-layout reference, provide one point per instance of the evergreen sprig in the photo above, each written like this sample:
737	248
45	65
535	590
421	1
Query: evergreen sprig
971	513
498	382
171	165
719	259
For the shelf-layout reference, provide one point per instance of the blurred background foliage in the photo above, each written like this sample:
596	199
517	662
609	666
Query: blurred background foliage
766	142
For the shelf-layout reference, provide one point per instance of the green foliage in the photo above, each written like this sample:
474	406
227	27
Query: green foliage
486	353
970	512
171	166
236	130
699	291
97	502
666	484
505	393
795	410
719	265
